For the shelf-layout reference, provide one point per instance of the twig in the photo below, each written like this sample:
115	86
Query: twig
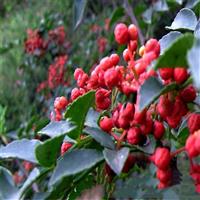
130	13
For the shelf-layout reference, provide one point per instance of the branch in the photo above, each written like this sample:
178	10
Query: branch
130	13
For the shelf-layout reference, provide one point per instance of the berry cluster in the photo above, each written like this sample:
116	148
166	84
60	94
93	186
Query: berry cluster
161	159
60	105
37	43
123	120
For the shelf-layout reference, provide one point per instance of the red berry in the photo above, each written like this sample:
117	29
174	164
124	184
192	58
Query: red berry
114	58
63	102
133	135
140	67
193	122
133	32
102	99
162	158
180	75
132	46
75	93
65	147
164	175
190	146
152	45
188	94
106	63
112	77
77	73
121	33
126	55
158	130
166	73
164	107
106	124
140	117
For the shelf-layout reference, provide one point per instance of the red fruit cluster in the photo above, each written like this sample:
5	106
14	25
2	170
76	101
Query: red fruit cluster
171	111
65	147
57	35
192	145
34	43
178	74
56	72
162	159
60	104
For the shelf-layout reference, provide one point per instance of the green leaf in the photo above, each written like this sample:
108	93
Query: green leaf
92	118
7	189
77	112
78	11
197	30
116	15
47	152
116	158
147	15
192	3
101	137
167	40
151	90
57	128
2	120
22	149
185	19
74	162
160	6
194	62
150	146
175	54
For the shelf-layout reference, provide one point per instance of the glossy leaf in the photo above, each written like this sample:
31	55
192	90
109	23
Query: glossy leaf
194	62
151	90
175	54
77	112
7	189
116	158
101	137
56	128
185	19
47	152
74	162
92	118
22	149
168	39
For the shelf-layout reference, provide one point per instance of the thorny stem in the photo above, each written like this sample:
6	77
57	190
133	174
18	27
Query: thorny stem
177	151
130	13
